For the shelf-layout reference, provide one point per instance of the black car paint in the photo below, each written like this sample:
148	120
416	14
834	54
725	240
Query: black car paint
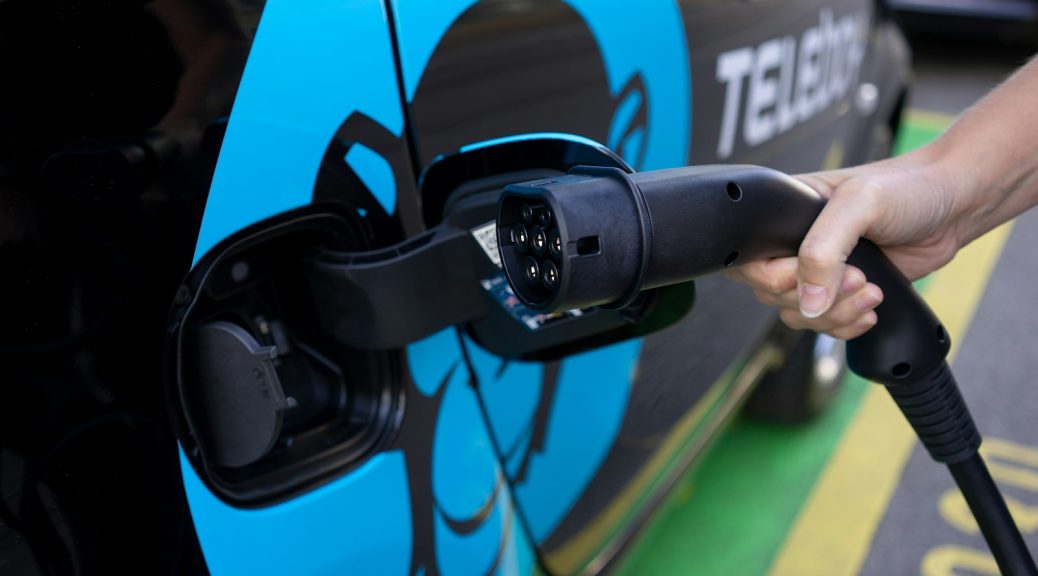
110	123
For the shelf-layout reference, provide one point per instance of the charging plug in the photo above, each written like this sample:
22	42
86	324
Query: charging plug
599	236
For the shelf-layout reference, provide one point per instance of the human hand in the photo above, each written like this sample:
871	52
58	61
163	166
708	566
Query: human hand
907	205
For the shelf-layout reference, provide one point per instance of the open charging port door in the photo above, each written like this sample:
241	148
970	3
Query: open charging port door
268	403
286	347
462	191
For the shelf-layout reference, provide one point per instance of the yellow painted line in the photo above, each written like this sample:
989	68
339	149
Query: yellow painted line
949	560
835	527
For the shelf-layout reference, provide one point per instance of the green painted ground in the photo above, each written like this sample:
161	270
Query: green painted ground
729	516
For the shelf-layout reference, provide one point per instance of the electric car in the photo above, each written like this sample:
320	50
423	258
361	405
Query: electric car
254	319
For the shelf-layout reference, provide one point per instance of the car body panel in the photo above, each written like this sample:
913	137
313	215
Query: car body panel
470	90
295	93
573	409
234	112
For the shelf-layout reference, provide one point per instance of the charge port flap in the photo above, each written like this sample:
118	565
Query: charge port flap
236	398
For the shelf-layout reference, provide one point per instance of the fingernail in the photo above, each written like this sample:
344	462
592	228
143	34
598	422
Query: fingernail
813	300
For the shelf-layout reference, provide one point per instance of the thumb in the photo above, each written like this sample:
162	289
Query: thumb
821	262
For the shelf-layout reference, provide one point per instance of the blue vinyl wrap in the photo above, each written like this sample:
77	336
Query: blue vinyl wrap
376	174
300	82
361	522
589	406
465	469
312	64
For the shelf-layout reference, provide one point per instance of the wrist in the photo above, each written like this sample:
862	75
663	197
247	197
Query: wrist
964	189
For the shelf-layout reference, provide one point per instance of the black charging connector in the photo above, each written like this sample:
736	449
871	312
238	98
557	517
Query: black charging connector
618	234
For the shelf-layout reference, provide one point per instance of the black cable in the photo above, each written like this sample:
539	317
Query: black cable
937	412
1001	534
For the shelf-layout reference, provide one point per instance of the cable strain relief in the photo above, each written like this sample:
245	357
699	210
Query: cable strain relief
937	412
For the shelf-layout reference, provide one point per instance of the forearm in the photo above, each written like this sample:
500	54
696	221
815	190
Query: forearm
990	156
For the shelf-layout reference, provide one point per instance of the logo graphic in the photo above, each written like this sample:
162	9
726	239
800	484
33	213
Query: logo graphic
320	87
